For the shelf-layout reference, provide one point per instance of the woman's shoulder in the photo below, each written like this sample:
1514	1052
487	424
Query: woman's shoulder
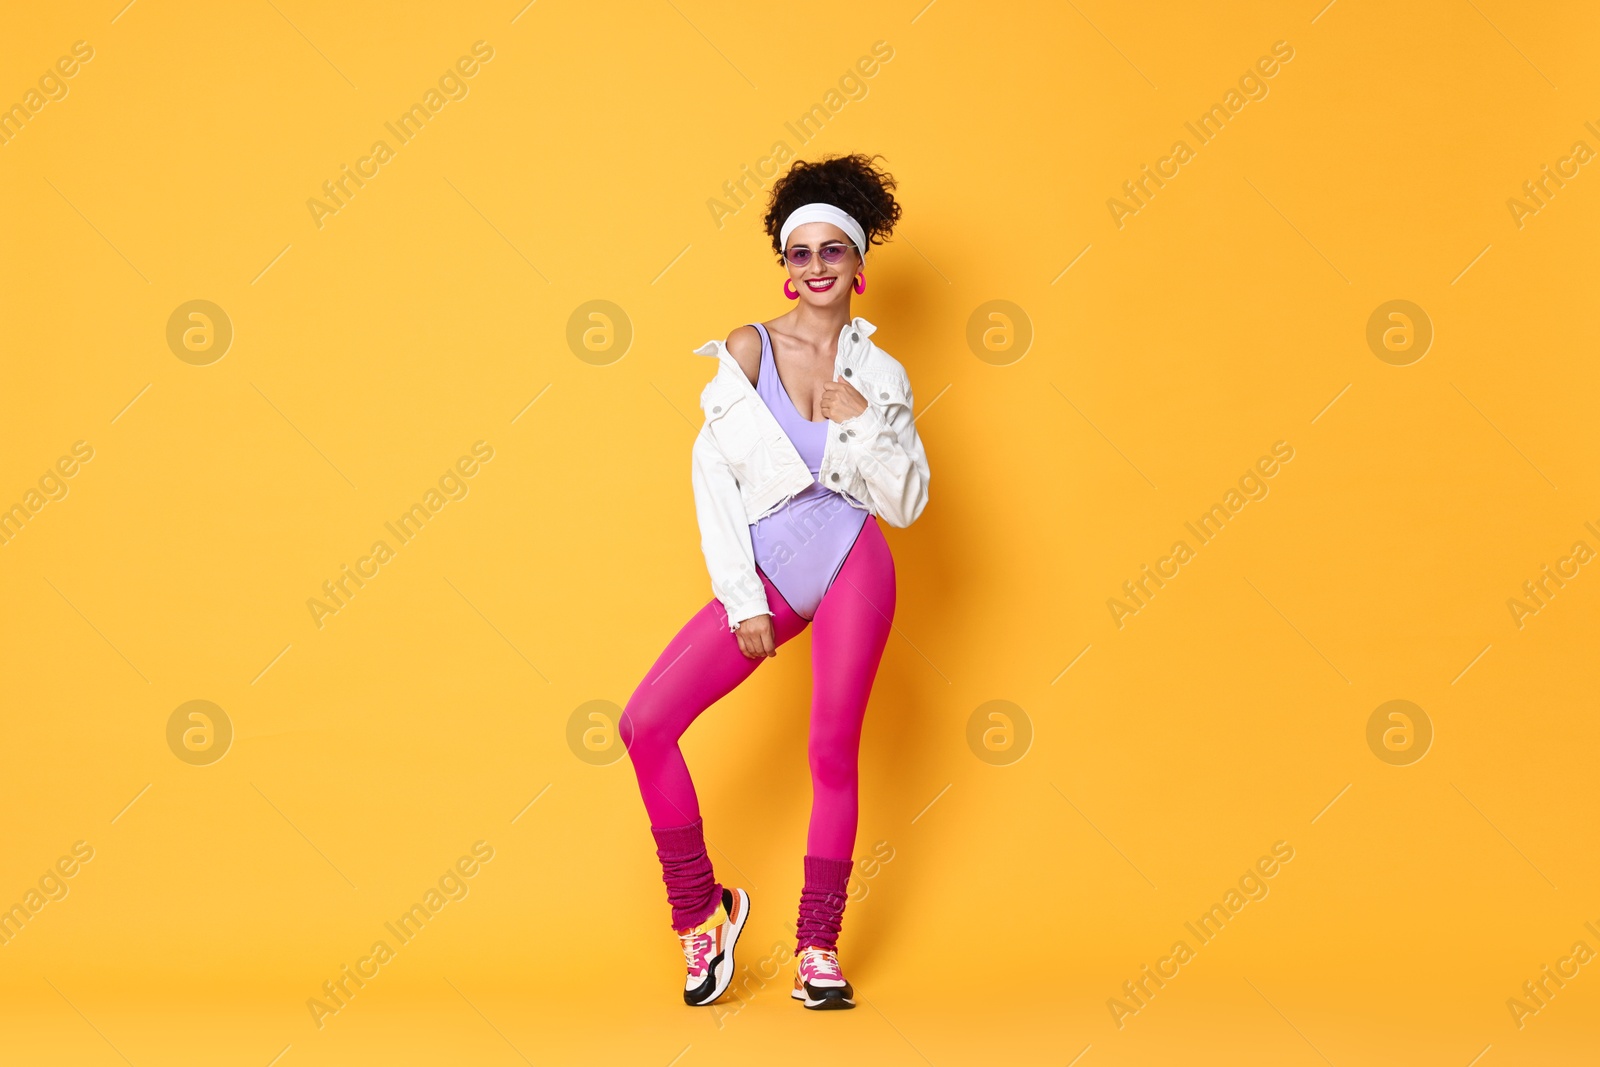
744	345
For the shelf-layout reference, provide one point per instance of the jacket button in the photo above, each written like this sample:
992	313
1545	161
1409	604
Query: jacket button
835	475
847	372
842	437
883	396
855	337
716	409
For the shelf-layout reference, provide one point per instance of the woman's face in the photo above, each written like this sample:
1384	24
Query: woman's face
819	282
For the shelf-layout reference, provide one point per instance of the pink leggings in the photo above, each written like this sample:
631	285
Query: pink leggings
702	664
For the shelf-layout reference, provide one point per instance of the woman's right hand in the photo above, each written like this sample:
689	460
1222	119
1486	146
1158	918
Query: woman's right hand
756	639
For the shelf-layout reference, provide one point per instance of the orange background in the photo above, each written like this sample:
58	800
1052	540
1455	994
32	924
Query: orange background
1163	357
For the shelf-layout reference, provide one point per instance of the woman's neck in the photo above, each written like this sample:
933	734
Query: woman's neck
816	324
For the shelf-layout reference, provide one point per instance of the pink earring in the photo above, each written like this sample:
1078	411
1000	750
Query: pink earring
787	292
861	283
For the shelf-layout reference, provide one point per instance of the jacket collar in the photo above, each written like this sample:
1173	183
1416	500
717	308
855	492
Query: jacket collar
719	349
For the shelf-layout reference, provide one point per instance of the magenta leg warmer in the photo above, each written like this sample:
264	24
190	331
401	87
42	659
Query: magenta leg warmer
692	889
822	903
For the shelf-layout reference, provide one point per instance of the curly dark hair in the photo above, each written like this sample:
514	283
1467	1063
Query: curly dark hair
852	183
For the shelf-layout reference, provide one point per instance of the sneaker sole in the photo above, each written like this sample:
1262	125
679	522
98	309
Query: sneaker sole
724	967
823	1003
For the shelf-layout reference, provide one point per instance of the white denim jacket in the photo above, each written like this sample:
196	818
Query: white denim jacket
744	467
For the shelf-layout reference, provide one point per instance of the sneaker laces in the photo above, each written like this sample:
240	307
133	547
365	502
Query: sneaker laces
695	947
822	962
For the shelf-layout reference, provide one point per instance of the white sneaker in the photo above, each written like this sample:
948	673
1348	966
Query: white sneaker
818	981
709	952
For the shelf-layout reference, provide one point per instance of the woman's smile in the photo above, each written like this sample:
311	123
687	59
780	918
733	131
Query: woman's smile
820	285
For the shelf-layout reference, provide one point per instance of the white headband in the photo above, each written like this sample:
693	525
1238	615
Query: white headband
819	212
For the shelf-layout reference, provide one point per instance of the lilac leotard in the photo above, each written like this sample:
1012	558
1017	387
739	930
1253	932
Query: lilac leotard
801	546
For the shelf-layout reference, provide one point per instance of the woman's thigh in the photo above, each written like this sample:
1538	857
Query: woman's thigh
851	628
700	665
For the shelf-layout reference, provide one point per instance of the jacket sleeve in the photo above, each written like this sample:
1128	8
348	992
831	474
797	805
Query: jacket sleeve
883	447
725	533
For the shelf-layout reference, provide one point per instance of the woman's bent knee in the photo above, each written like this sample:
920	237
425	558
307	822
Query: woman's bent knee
633	739
644	734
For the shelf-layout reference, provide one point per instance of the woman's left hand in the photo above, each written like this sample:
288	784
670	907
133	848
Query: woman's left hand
841	401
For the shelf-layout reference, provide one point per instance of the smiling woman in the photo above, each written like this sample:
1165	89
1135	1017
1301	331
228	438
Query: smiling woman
809	440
